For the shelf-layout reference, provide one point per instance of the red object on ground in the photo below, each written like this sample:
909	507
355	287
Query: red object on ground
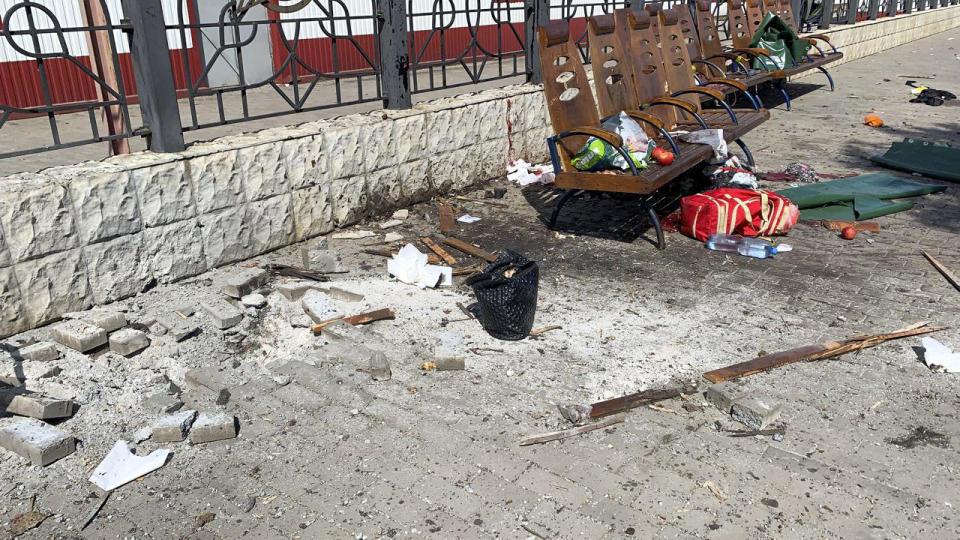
736	211
663	157
848	233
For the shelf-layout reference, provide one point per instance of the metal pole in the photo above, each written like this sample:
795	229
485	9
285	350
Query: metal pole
154	74
537	14
798	7
893	6
908	6
826	15
852	6
394	54
873	8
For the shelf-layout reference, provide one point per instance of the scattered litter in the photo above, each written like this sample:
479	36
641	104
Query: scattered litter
757	248
662	409
929	96
720	495
801	172
810	353
442	253
872	120
357	320
544	330
352	235
938	357
525	174
712	138
299	273
467	218
580	413
557	435
428	366
734	177
943	270
859	226
410	266
122	466
447	223
469	249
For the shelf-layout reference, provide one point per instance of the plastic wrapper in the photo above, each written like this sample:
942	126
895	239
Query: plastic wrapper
599	155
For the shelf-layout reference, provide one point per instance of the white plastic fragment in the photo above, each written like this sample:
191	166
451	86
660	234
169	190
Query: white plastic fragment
467	218
939	357
410	266
525	174
122	466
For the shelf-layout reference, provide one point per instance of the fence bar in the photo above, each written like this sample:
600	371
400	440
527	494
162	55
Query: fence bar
394	54
873	9
852	7
154	75
892	7
826	15
908	6
537	14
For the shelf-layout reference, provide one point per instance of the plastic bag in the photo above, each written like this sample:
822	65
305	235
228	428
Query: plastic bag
599	155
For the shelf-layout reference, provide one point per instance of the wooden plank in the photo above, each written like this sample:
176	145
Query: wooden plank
943	270
442	253
447	223
557	435
632	401
101	64
860	226
469	249
810	353
356	320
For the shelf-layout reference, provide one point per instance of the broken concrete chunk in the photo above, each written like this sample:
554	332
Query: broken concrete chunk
16	401
756	413
450	364
391	223
179	328
243	281
108	320
403	213
173	427
320	260
15	372
319	306
224	314
379	367
344	295
162	403
449	346
128	341
183	309
352	235
40	352
79	335
211	427
392	237
343	331
254	300
37	441
724	395
294	290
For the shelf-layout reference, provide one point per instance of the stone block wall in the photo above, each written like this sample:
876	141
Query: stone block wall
871	37
93	233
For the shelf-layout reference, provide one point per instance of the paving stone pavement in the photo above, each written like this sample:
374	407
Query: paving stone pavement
436	454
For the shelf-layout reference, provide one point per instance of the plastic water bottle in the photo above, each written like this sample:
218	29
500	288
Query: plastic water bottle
750	247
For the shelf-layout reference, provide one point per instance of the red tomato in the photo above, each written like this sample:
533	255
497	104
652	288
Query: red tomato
848	233
663	157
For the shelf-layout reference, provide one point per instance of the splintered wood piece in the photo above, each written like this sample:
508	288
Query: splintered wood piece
356	320
447	223
442	253
859	226
810	353
469	249
632	401
467	270
557	435
943	270
544	330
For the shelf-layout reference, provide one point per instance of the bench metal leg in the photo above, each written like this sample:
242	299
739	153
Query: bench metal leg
655	221
743	146
782	86
829	78
567	195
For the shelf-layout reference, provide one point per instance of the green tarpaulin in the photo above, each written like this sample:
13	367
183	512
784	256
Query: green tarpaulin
858	198
782	42
936	160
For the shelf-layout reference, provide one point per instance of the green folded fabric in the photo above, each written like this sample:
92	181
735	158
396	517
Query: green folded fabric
936	160
777	37
858	198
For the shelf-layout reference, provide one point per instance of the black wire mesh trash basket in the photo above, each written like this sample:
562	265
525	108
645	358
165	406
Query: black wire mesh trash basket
507	296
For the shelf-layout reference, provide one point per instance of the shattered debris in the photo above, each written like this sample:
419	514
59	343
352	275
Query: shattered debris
121	466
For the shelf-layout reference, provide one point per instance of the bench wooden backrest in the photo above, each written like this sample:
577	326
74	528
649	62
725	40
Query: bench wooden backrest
688	30
754	12
565	85
740	30
612	72
676	60
653	9
649	77
786	13
707	28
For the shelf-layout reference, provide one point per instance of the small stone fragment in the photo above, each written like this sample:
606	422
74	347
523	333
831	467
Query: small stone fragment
224	314
179	328
389	224
223	397
254	300
128	341
294	290
352	235
40	352
108	320
248	504
15	373
392	237
37	441
79	335
183	309
756	413
205	518
379	367
320	260
281	380
34	405
243	281
449	350
319	306
162	403
142	434
173	427
211	427
403	213
724	395
450	364
344	295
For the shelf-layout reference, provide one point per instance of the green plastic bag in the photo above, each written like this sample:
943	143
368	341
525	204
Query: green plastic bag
775	36
599	155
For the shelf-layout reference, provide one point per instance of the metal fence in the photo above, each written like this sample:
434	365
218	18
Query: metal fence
195	64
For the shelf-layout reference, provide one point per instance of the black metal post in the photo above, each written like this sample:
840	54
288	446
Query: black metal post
797	6
537	14
394	54
852	7
154	75
826	15
892	7
873	9
921	4
908	6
